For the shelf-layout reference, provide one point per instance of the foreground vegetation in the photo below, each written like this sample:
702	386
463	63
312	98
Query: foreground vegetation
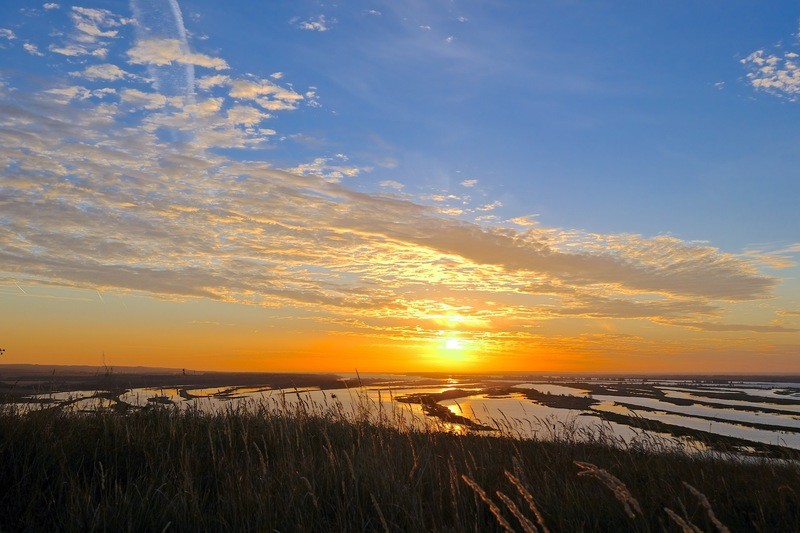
310	470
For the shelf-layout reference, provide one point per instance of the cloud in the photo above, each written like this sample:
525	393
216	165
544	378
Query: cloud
391	184
276	105
631	263
104	71
268	95
160	52
247	89
328	168
142	100
93	25
92	20
5	33
440	197
208	82
315	24
600	306
87	22
211	122
525	221
75	50
490	207
65	94
51	5
469	183
772	258
778	75
246	115
311	98
710	326
32	49
93	30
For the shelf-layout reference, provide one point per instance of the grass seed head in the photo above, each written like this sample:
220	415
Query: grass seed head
617	487
495	510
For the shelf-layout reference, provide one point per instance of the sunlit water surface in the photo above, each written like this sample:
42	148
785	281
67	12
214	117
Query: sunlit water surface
751	416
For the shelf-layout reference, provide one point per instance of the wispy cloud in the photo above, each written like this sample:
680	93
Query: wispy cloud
391	184
319	23
104	71
92	31
710	326
32	49
91	24
331	169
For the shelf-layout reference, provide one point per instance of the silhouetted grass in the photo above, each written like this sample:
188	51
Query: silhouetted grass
256	469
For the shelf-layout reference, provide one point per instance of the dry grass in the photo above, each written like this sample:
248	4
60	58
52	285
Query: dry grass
314	470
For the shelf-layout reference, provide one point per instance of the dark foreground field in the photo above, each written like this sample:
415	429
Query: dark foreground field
159	469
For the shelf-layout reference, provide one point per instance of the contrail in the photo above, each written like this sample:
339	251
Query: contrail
176	12
20	288
101	297
160	19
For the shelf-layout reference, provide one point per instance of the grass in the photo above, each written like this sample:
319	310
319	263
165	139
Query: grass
258	469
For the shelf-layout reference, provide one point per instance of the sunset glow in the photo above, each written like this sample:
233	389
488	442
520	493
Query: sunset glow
398	187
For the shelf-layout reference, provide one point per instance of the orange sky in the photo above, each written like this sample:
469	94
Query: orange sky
49	325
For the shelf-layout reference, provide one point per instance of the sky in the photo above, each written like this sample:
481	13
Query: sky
439	185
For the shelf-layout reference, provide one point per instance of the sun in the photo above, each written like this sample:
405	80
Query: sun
452	351
453	343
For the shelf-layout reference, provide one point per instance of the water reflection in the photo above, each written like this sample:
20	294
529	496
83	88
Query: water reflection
755	413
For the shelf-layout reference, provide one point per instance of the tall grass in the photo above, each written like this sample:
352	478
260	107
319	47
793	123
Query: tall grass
307	469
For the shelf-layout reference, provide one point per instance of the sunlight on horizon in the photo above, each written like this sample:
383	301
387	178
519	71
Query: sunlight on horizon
455	352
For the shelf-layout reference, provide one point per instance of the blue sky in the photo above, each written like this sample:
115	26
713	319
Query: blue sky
571	167
608	117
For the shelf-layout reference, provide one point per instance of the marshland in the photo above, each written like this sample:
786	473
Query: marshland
355	453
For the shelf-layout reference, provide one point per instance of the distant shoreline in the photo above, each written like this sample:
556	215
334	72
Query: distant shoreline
92	370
